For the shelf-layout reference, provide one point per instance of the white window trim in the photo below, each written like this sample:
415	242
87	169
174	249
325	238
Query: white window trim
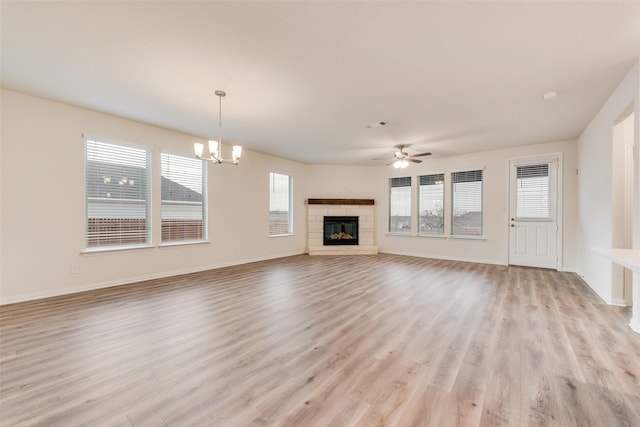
446	180
462	236
183	243
96	250
205	209
291	223
107	249
412	232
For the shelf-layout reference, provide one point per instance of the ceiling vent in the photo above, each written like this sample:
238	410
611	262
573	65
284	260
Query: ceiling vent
376	124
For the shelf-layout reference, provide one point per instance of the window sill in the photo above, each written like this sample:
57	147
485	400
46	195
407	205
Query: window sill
111	249
183	243
468	237
400	234
280	235
433	236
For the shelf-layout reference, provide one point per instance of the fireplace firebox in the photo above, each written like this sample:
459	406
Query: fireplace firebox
340	230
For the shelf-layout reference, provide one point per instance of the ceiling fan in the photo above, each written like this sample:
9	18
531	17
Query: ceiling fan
401	158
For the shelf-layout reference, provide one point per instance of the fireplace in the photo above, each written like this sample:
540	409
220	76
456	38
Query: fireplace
340	230
362	240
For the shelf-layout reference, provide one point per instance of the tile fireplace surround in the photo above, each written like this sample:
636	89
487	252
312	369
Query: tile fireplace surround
364	209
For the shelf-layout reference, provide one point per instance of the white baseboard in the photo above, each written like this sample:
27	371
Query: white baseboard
618	302
461	259
134	279
635	325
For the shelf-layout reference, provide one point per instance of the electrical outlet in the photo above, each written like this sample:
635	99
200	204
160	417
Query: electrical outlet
74	269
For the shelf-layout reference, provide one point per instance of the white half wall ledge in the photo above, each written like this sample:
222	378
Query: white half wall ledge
629	258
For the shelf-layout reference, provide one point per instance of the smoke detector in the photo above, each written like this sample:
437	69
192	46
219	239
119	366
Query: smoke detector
376	124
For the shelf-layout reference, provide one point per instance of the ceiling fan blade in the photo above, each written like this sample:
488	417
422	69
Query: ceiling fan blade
421	154
409	159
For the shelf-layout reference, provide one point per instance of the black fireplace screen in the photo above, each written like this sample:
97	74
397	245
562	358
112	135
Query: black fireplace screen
340	230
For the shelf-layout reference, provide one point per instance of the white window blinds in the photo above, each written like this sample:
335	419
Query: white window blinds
466	203
400	205
280	191
431	204
183	203
532	191
117	195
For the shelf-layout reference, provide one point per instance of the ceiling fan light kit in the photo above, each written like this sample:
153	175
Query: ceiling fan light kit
400	164
401	158
215	147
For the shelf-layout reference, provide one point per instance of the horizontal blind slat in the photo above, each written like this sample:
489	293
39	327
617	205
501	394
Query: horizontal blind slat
532	191
117	194
400	205
280	204
183	190
431	204
466	203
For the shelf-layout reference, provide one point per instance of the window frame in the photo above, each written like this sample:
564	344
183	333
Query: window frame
148	232
444	205
205	202
290	204
409	232
451	215
549	205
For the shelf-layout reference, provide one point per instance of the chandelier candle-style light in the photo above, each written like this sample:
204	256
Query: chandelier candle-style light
215	147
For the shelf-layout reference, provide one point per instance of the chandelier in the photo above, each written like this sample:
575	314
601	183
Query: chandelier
215	147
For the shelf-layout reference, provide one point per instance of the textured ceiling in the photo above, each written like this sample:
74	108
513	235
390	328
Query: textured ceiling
304	78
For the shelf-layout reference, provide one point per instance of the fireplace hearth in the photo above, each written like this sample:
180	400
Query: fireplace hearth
340	230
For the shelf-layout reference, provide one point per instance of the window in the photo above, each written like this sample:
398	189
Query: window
117	195
280	190
431	204
466	203
532	191
400	205
183	206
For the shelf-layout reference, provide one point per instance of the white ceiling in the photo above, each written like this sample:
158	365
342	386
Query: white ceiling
304	78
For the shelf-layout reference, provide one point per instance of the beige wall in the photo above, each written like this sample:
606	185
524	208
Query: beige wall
494	247
43	204
372	182
42	207
595	186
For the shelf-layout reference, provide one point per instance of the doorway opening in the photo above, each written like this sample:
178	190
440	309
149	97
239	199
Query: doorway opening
622	217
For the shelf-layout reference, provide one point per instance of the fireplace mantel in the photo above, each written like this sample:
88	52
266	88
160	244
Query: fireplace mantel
349	202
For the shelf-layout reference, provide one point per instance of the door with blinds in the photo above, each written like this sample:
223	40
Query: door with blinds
533	212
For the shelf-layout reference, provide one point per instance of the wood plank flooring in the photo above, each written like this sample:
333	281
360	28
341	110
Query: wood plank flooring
324	341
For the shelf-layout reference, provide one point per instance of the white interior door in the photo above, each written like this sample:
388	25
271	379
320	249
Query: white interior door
533	211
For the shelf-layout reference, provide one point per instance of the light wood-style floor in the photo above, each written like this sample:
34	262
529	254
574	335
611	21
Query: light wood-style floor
311	341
